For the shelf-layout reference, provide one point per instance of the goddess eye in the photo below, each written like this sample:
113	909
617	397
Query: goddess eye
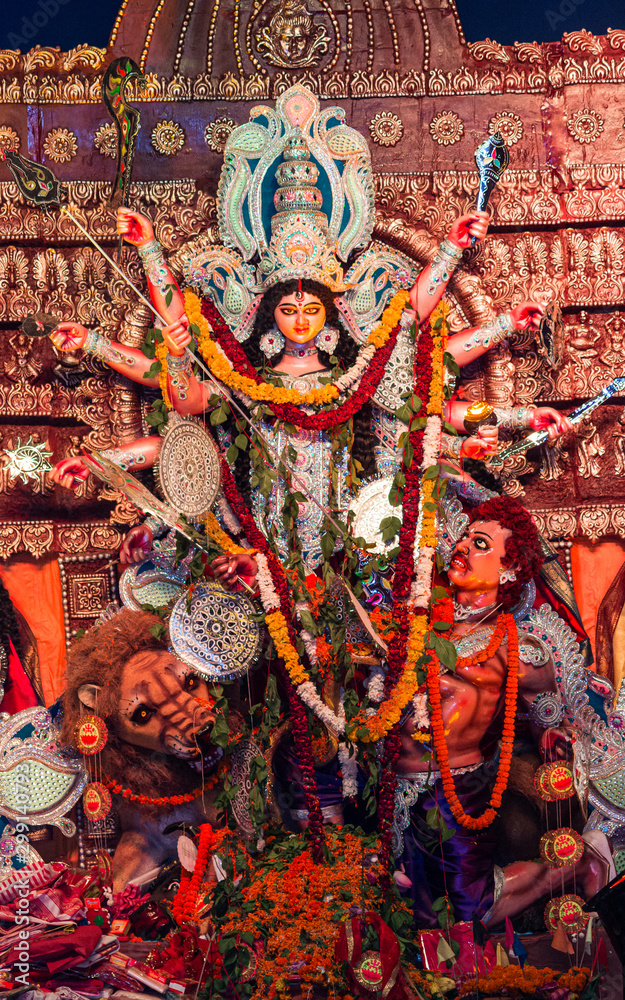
312	309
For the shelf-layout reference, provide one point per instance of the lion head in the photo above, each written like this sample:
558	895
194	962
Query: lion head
158	738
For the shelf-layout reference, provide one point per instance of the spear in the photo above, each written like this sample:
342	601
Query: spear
38	184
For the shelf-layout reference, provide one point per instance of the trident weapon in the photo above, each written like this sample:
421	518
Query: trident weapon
491	158
539	437
127	122
38	184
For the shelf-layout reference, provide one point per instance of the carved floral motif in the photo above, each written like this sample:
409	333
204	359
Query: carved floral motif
9	139
60	145
447	128
216	133
386	129
105	140
168	137
585	126
508	124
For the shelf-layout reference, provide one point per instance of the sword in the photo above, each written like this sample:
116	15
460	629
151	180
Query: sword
539	437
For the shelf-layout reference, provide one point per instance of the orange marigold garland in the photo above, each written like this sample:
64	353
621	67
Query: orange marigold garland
505	624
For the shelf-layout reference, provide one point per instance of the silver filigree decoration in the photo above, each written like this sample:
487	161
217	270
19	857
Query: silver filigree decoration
216	633
240	765
188	468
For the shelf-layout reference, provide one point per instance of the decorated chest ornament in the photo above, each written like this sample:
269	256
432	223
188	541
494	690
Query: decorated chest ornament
296	195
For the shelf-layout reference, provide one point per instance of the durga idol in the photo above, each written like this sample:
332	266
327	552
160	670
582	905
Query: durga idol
317	371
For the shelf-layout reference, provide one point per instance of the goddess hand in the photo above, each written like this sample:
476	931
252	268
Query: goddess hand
69	336
527	316
468	226
481	444
177	336
227	568
136	545
545	418
135	228
69	473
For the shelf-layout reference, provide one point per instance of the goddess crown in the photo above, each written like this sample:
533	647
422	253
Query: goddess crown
295	199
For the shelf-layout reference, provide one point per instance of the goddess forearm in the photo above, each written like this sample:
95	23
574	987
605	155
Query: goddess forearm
139	454
432	282
468	345
164	291
125	360
187	394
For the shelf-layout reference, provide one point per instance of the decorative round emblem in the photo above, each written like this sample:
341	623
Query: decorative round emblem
91	735
567	910
447	128
547	709
216	635
509	125
216	133
250	971
60	145
386	128
27	460
554	781
168	137
585	126
561	847
96	801
9	139
105	140
369	508
188	468
244	754
368	971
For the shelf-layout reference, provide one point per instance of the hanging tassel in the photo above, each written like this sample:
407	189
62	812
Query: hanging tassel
509	935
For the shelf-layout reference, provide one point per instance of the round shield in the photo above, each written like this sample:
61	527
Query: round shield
188	468
216	633
369	508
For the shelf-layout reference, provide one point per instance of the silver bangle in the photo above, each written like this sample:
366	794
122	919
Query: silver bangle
513	418
156	526
180	370
490	335
102	347
451	445
443	264
155	265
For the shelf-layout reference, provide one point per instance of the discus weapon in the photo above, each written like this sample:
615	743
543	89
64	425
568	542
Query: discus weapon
539	437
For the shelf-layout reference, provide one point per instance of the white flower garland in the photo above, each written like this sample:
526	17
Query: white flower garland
230	521
349	768
306	691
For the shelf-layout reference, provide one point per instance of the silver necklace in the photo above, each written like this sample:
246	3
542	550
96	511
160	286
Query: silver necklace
300	352
461	613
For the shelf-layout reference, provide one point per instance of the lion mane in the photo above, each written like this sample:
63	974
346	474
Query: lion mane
99	658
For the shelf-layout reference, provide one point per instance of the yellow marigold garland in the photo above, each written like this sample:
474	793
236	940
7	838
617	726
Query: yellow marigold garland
220	537
276	624
439	337
222	369
161	355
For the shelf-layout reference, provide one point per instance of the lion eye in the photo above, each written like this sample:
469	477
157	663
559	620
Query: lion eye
191	682
142	715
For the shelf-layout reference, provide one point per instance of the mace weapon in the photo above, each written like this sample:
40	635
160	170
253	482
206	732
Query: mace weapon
491	159
539	437
38	184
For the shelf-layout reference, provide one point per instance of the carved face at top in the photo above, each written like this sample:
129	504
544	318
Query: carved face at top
293	40
158	708
300	317
478	557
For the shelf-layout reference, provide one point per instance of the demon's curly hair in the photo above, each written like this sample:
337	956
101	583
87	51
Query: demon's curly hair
345	351
99	658
522	547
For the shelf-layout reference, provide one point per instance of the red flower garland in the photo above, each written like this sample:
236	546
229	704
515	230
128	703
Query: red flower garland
184	904
339	414
299	722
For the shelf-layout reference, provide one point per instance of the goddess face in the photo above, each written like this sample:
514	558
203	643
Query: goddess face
478	557
300	317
